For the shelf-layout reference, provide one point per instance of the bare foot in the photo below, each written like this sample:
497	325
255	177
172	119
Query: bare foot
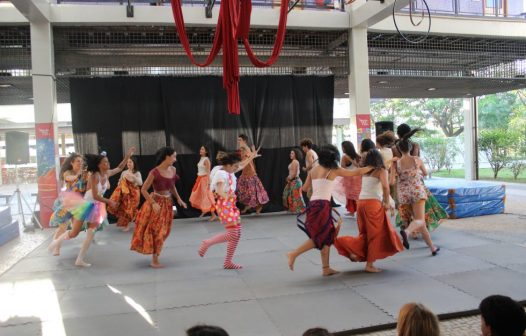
372	269
202	214
327	271
156	265
292	259
125	229
213	217
81	263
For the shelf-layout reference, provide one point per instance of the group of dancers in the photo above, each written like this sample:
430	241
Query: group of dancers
371	181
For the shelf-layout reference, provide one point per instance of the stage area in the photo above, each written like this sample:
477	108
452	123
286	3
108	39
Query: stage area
120	294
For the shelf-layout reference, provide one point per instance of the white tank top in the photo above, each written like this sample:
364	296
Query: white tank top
371	188
322	188
101	190
201	169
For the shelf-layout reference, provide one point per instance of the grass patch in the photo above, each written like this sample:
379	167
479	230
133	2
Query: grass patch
505	175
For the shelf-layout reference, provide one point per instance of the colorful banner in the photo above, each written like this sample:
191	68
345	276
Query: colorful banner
363	124
47	178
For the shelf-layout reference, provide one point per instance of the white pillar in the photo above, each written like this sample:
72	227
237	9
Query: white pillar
470	139
359	93
45	104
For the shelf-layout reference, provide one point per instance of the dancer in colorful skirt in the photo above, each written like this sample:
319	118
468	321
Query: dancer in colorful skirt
92	208
224	185
250	190
319	221
377	238
154	220
127	195
75	179
351	185
292	194
434	212
410	190
201	197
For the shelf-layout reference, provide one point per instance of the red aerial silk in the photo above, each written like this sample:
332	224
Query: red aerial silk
233	24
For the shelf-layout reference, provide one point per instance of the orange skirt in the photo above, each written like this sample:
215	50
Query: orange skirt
377	239
127	195
201	197
152	229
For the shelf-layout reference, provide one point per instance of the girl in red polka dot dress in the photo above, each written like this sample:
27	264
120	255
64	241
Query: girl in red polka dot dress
224	185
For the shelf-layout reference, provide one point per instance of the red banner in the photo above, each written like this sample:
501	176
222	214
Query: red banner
363	125
47	179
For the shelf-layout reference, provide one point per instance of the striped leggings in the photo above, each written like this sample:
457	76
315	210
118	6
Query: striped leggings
232	236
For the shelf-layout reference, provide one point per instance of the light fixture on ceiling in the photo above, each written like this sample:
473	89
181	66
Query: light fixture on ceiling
31	98
469	94
346	93
4	86
383	82
431	89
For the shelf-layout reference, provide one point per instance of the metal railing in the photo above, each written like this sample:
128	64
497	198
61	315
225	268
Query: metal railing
487	8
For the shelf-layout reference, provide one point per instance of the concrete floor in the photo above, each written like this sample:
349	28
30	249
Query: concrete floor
45	295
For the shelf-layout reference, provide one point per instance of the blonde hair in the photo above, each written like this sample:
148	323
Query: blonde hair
415	319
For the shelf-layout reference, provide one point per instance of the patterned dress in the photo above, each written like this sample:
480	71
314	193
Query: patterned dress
250	190
127	195
292	195
434	213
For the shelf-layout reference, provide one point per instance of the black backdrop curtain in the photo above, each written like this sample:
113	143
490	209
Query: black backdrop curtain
113	114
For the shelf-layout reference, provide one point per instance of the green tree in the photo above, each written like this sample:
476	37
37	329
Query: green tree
445	113
438	153
496	110
497	144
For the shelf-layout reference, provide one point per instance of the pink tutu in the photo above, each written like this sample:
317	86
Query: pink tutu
90	211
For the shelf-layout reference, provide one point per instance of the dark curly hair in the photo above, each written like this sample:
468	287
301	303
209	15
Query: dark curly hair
229	159
244	137
386	139
367	144
162	153
306	142
503	315
402	130
68	164
329	157
206	330
93	161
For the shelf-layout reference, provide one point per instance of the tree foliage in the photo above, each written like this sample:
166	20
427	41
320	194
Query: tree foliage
497	144
438	152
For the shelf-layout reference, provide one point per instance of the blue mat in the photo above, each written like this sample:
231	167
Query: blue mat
462	198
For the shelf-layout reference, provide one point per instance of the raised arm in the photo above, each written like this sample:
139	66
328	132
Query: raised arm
346	173
122	165
253	154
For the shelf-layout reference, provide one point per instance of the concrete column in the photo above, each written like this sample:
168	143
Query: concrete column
63	144
45	103
470	139
359	93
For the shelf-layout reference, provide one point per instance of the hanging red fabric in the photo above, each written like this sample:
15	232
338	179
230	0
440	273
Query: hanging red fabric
233	24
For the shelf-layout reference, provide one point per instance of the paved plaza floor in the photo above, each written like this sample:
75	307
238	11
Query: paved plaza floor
45	295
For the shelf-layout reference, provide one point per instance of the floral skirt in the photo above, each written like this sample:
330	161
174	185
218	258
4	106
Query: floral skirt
250	191
60	214
152	229
292	196
127	197
434	213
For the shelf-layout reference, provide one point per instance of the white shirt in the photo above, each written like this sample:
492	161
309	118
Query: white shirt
223	176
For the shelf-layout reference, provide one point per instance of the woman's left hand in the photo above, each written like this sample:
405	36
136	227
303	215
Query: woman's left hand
181	203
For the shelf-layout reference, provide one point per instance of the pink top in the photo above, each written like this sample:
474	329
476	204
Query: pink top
161	183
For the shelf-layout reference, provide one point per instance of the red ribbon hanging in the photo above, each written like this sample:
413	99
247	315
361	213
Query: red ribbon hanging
233	23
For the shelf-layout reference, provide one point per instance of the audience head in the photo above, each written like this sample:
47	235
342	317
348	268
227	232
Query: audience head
329	157
132	164
206	330
317	332
502	316
415	319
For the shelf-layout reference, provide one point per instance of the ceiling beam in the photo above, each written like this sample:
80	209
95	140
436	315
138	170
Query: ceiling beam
373	11
34	10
